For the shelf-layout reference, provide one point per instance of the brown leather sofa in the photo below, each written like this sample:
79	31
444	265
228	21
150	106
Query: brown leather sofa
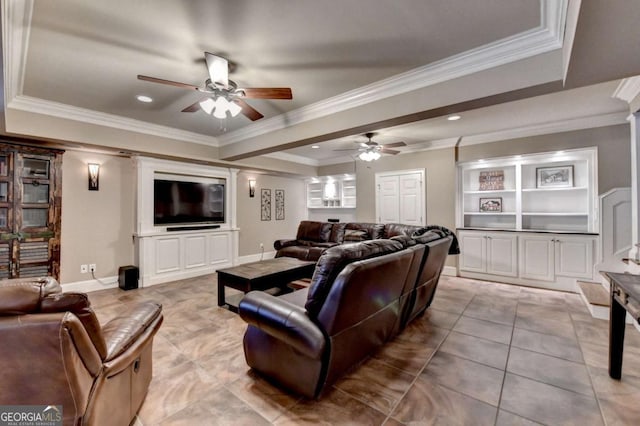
54	352
361	295
313	237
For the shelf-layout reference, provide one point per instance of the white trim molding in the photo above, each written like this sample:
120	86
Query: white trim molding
91	285
69	112
628	89
548	36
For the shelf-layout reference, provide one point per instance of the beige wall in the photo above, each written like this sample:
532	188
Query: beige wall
97	226
440	172
254	231
613	142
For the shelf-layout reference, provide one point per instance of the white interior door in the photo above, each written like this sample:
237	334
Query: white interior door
410	201
400	197
388	200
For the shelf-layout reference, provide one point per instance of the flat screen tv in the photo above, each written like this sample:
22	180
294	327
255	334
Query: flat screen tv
183	202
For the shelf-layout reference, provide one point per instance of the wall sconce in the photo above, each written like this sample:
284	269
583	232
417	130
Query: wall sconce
94	175
252	188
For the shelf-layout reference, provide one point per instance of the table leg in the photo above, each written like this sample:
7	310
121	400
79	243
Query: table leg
221	301
616	337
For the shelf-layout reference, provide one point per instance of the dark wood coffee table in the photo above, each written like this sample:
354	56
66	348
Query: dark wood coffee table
263	275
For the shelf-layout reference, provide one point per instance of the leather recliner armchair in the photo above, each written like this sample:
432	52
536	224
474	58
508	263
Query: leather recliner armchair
55	352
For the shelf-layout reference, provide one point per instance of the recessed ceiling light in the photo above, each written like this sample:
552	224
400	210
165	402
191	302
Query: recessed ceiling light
453	117
315	146
145	99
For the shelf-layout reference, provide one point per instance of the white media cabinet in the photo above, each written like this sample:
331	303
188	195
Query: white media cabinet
172	252
529	219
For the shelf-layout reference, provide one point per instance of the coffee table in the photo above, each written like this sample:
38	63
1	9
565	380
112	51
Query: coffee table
262	275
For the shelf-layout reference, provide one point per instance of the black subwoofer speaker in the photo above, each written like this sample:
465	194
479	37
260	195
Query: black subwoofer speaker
128	277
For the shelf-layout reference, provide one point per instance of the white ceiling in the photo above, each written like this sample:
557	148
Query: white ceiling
84	55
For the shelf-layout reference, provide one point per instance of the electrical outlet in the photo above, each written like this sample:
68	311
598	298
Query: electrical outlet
84	269
92	267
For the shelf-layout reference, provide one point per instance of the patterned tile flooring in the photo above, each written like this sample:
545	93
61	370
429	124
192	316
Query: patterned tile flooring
484	353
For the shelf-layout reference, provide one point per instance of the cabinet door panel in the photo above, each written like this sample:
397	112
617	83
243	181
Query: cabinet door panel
574	257
473	252
537	258
502	254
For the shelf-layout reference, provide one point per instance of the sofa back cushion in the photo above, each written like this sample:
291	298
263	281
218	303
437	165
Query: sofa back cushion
396	229
23	295
334	260
309	230
434	259
337	233
368	231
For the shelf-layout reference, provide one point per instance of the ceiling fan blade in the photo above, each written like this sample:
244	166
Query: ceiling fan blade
218	69
250	112
394	145
389	151
193	107
347	149
168	82
267	93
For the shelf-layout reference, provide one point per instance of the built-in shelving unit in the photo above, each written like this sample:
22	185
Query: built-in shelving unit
331	192
529	219
540	192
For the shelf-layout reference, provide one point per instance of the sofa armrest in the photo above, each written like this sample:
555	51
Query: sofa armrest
122	332
284	321
279	244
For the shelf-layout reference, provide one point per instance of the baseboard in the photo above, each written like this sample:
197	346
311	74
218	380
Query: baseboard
451	271
91	285
256	257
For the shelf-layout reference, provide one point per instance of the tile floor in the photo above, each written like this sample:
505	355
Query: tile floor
485	353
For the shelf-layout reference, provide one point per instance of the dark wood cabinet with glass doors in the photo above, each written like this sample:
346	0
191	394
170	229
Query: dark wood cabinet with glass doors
30	197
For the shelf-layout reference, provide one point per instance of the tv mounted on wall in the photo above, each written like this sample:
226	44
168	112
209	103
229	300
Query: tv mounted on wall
188	202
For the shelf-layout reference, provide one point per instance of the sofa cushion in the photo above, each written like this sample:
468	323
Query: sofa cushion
355	235
373	230
334	260
337	233
314	231
20	296
394	229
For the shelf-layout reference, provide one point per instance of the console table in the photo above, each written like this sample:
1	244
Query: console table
625	297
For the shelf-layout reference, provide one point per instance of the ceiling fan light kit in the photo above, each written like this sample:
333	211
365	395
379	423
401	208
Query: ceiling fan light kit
223	95
369	155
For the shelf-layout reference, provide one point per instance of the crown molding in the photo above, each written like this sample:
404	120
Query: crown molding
16	28
56	109
284	156
16	21
548	36
580	123
588	122
628	89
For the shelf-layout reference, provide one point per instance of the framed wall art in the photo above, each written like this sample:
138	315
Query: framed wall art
279	201
265	204
491	180
490	205
554	177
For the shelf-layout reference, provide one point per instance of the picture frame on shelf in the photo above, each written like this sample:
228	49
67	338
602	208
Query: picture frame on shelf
491	180
554	177
490	205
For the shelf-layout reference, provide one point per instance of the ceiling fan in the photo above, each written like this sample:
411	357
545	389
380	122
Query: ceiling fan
371	150
223	95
